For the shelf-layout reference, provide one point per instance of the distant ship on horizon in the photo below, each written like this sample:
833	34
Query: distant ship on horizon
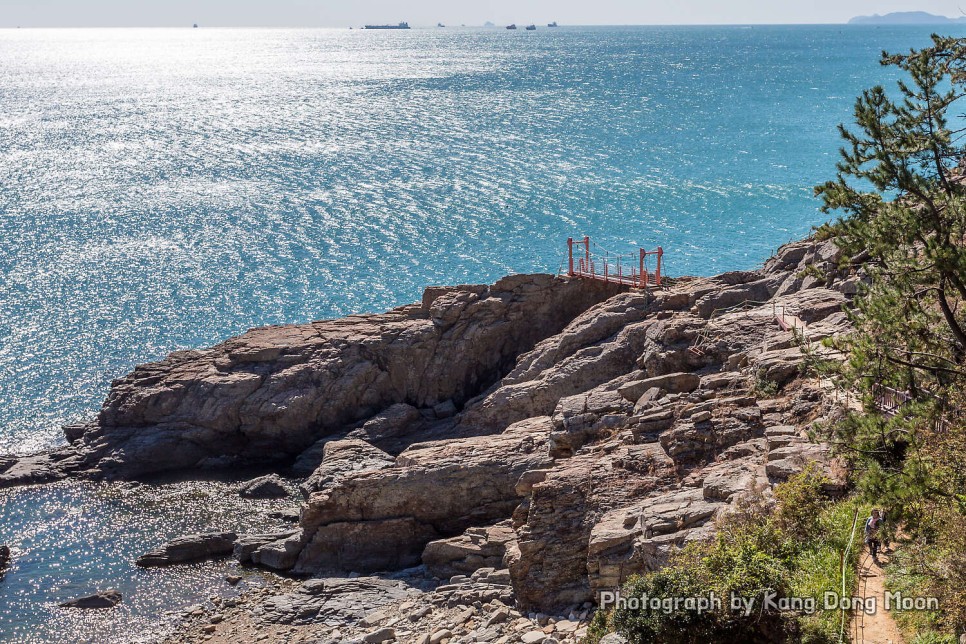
531	27
401	25
552	24
511	26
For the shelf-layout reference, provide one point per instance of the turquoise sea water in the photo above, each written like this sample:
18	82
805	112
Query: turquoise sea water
163	189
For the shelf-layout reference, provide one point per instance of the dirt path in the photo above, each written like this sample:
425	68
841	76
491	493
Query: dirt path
879	628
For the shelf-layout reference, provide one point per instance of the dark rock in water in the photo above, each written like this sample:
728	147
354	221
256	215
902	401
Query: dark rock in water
102	599
290	515
270	486
189	548
4	556
38	468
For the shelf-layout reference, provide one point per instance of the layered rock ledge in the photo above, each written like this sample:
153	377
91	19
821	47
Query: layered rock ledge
269	394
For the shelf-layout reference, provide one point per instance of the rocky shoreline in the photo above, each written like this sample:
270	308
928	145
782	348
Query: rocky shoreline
491	457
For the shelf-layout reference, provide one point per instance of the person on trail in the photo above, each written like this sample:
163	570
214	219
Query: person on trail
872	525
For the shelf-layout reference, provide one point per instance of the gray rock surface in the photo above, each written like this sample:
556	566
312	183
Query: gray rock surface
332	600
383	519
191	547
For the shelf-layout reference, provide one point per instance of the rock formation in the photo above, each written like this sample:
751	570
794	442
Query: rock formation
270	486
190	547
102	599
272	392
535	441
642	419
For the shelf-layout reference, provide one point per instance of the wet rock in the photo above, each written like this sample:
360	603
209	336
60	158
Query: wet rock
102	599
289	515
270	486
39	468
190	547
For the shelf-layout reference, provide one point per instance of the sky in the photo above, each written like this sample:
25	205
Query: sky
343	13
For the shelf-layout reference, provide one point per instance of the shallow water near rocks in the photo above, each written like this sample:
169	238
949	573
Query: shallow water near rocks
75	538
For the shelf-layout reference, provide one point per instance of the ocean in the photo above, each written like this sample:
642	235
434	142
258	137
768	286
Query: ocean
165	189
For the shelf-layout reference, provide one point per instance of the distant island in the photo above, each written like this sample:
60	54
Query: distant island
906	18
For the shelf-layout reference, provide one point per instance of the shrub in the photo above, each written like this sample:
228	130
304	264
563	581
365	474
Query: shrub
790	548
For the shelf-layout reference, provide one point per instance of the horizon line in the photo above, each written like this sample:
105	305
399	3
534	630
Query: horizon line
497	25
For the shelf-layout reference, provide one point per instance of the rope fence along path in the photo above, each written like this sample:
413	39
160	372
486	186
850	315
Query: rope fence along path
588	260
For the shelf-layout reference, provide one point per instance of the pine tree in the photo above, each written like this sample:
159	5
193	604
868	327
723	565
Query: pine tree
901	189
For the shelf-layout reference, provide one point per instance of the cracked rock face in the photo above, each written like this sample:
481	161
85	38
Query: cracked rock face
272	392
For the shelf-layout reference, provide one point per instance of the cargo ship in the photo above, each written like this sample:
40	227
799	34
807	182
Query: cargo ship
401	25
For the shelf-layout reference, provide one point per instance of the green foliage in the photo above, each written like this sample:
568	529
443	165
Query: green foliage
825	232
901	193
792	548
762	387
800	503
813	271
599	626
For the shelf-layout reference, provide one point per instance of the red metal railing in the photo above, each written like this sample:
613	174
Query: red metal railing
630	270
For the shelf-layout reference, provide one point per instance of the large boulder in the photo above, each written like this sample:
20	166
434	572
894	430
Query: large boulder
342	458
270	486
383	519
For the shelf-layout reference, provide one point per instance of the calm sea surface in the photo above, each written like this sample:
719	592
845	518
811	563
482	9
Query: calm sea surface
163	189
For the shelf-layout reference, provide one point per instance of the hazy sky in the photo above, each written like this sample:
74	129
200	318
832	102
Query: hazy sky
340	13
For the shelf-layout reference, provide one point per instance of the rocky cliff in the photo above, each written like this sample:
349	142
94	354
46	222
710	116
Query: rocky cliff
565	431
607	445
